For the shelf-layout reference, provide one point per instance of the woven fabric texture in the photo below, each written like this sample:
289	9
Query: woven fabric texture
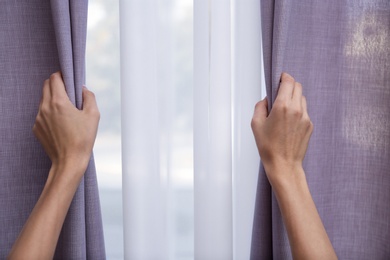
340	52
37	38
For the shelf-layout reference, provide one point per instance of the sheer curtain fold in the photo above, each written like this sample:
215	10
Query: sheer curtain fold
38	38
212	130
339	51
247	90
146	82
227	73
227	80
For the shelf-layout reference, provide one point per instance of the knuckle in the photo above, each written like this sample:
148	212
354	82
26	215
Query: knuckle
97	114
287	77
281	106
297	112
308	123
36	129
38	118
45	109
311	125
38	122
94	111
57	103
53	76
91	94
258	104
254	123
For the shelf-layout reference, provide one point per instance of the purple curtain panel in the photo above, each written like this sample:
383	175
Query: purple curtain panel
38	38
340	52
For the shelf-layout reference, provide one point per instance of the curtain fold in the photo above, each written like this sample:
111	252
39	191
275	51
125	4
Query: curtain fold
146	89
227	85
212	131
247	77
340	52
227	76
38	38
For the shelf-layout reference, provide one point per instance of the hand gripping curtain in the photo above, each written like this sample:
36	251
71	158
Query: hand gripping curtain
340	52
38	38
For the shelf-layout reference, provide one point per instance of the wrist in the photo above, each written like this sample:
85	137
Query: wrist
72	161
285	176
71	169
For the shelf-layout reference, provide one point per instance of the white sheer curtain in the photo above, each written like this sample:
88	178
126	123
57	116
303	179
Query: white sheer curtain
227	71
143	79
248	88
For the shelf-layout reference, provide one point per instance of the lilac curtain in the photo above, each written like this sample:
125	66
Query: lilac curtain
340	52
37	38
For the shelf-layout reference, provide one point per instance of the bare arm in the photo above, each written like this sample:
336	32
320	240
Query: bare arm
67	135
282	137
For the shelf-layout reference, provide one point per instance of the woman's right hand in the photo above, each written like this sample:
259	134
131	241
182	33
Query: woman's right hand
282	136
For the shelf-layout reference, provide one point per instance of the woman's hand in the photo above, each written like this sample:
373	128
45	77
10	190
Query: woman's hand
282	136
66	133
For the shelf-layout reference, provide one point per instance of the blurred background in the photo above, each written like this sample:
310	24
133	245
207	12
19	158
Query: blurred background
103	78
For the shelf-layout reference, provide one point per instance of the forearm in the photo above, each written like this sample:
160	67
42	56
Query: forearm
67	134
39	236
307	235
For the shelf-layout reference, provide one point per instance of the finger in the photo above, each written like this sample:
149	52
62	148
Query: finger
304	108
40	104
89	100
57	85
261	111
304	105
42	137
37	130
286	87
297	93
46	94
309	129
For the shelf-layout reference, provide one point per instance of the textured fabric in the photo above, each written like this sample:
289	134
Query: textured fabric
340	52
37	38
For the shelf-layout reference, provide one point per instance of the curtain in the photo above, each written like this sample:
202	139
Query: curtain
340	52
226	82
38	38
146	92
227	85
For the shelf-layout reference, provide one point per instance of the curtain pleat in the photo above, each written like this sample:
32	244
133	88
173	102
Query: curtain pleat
247	77
212	131
146	90
38	38
227	85
340	52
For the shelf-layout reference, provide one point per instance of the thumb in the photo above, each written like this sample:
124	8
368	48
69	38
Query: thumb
261	111
89	100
